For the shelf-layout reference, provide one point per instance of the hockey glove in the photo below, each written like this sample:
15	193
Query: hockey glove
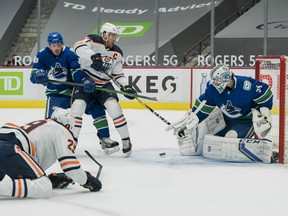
93	184
262	121
40	77
97	62
89	85
129	89
60	180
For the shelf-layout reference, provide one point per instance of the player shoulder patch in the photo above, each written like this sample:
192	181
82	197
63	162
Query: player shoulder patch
247	85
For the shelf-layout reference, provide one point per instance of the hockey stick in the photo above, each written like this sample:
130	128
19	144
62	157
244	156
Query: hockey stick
106	90
100	165
140	101
151	110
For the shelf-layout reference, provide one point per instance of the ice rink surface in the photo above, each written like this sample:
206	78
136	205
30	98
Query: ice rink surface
149	185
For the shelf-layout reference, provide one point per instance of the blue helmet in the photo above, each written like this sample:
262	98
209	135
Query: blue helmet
55	37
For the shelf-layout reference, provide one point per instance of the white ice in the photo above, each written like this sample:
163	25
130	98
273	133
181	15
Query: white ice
149	185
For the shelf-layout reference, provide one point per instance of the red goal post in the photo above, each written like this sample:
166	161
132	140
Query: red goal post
273	71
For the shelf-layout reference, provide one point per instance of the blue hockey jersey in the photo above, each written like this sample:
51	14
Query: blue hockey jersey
60	67
236	103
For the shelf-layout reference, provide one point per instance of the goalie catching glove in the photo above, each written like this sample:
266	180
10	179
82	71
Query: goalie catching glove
262	121
60	180
93	184
129	89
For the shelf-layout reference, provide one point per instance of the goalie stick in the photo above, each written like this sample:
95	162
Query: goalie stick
140	101
164	94
100	165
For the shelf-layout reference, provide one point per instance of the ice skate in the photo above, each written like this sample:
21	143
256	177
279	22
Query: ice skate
108	145
127	147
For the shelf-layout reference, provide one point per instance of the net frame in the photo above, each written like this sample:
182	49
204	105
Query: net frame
281	90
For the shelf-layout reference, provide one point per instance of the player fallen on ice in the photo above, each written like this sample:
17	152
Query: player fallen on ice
224	119
100	59
27	151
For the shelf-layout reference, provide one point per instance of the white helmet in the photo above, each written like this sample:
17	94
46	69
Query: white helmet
64	117
110	28
220	76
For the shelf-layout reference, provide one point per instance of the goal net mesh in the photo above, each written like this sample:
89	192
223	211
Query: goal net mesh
273	71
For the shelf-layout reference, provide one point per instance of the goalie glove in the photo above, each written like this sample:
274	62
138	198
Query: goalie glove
186	123
93	184
262	121
60	180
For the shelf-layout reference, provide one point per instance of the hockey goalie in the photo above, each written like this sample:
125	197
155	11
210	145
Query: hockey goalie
225	118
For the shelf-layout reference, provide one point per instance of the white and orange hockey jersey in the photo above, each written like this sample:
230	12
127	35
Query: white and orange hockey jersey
94	44
48	141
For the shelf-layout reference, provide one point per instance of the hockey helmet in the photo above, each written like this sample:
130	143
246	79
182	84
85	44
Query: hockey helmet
64	117
110	28
55	37
220	76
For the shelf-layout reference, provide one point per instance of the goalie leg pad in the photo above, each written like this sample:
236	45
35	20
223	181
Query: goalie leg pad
215	122
186	145
191	143
237	149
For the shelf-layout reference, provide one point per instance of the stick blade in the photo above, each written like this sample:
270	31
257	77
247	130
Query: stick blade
100	165
165	93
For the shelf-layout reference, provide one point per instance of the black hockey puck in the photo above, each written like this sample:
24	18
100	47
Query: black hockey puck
162	154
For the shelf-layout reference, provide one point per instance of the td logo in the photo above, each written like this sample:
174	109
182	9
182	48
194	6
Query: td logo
131	29
11	83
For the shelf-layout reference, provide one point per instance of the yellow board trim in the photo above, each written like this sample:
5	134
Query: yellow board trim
22	104
156	105
124	104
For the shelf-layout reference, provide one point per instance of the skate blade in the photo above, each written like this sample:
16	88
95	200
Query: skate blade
127	154
108	151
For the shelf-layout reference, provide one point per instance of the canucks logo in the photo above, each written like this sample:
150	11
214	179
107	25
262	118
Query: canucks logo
58	72
230	110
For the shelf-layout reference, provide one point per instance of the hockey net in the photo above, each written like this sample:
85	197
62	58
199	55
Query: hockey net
273	71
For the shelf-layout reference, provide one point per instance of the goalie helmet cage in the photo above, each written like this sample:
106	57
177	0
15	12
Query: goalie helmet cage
273	71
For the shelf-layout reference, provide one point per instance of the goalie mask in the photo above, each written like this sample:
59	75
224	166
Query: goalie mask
64	117
110	28
220	77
